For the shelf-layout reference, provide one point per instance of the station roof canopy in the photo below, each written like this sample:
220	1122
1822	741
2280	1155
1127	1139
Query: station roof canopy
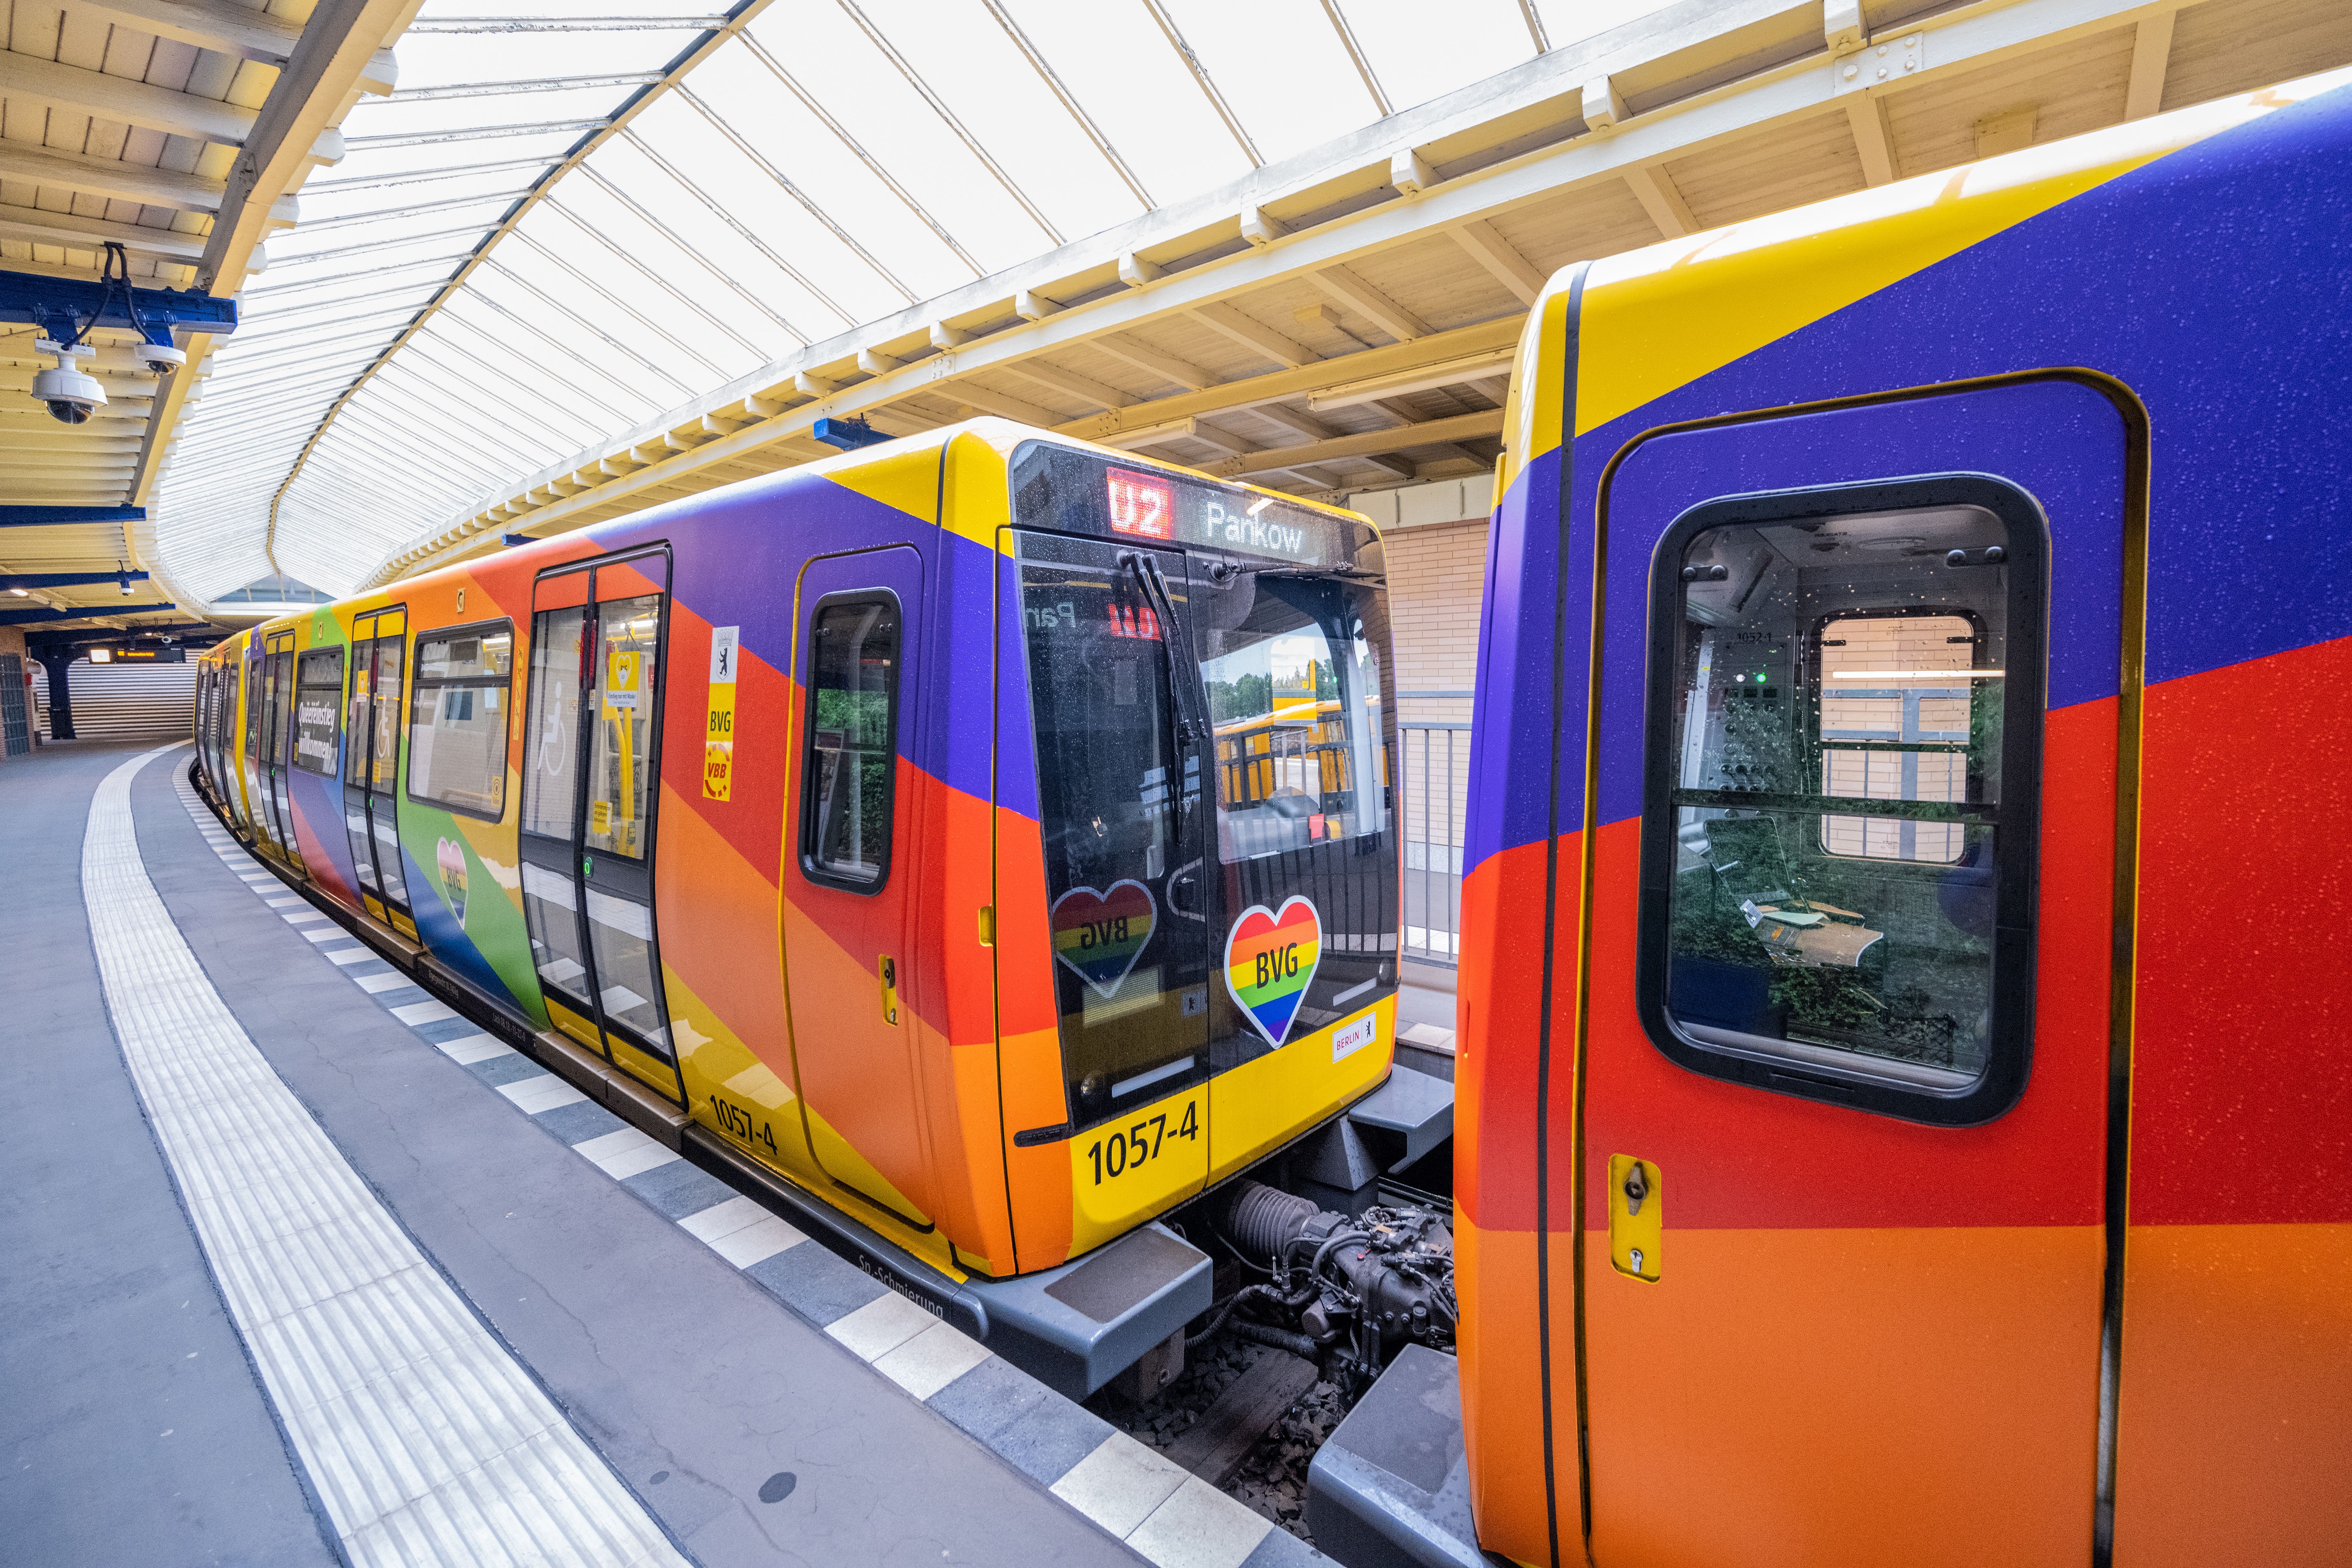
573	263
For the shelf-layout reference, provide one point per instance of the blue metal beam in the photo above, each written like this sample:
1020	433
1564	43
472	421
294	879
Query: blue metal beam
30	297
58	516
66	578
79	612
848	433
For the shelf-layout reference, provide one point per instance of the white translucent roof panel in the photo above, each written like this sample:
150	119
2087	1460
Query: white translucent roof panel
1421	52
415	347
1281	66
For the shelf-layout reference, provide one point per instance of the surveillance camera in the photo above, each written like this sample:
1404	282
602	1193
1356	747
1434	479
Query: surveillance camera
71	394
163	358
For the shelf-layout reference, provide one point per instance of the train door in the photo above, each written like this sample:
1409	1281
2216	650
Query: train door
592	771
1850	951
247	800
1121	739
276	757
371	747
853	879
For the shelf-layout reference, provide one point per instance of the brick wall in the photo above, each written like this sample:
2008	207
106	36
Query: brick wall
1435	574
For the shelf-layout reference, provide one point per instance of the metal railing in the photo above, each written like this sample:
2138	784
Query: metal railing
1434	792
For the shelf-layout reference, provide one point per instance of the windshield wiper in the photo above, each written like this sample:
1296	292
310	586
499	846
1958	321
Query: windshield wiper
1154	588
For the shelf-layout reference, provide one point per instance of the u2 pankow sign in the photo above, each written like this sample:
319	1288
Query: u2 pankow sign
719	727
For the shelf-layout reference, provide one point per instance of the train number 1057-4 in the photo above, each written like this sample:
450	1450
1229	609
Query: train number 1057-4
1132	1147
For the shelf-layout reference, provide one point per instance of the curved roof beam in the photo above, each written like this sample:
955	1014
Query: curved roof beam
947	116
1356	55
1207	83
1086	123
760	161
825	116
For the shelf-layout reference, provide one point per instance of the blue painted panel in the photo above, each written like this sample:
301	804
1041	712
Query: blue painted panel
2217	283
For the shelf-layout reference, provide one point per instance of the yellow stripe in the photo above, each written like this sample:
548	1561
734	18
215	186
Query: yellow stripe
1660	318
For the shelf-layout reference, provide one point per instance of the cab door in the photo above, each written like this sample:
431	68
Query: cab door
591	787
1844	1148
379	648
1120	737
853	881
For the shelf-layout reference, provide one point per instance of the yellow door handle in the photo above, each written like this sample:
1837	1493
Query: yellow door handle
889	970
1636	1216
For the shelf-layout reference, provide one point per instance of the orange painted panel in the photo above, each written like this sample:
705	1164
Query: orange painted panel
1502	1391
1916	1397
2235	1440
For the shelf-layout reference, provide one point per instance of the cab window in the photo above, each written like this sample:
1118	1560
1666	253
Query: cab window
1294	689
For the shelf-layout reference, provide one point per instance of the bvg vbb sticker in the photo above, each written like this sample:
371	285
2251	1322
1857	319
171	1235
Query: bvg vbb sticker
719	726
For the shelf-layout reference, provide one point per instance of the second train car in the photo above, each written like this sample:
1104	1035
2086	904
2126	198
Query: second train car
988	836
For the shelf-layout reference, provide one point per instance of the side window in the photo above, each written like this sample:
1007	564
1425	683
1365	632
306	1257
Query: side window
849	769
1828	892
457	718
318	697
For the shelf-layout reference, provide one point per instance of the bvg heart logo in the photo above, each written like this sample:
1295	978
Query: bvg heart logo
1270	958
1101	934
449	859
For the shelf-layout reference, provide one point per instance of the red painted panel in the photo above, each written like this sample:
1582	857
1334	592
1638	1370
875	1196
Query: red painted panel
2241	1106
1741	1157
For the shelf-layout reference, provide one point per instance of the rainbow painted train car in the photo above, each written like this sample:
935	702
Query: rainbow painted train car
984	840
1903	1109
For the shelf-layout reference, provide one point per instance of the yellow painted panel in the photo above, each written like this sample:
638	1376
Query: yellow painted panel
1660	318
1264	1103
1123	1173
977	501
906	479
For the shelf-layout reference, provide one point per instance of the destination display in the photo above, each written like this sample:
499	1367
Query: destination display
1077	492
1154	506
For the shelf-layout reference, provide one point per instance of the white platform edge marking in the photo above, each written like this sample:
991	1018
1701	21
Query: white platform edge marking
1193	1526
425	1441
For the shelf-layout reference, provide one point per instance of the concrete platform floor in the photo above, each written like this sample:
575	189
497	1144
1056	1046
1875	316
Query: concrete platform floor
302	1267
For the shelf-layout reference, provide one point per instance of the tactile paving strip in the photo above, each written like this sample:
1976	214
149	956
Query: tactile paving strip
424	1439
1170	1517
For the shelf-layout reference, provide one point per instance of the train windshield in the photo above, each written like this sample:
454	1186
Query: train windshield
1294	690
1208	680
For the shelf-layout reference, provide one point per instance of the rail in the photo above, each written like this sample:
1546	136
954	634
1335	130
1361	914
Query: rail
1434	777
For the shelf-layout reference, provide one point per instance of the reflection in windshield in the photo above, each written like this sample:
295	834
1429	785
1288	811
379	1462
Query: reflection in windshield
1293	693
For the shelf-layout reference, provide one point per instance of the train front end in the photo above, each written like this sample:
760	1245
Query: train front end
1197	834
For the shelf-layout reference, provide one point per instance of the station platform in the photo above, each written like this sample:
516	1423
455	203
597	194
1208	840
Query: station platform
303	1267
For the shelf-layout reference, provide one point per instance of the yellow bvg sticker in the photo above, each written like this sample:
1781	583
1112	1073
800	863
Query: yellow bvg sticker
719	728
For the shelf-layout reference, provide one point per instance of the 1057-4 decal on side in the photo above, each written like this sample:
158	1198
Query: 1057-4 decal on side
1130	1148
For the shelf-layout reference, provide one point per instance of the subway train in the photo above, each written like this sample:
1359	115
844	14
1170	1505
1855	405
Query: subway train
1903	1112
980	840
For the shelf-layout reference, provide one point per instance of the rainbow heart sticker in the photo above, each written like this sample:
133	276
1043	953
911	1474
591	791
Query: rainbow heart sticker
1270	957
449	860
1101	934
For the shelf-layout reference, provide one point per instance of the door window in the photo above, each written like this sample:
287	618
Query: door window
851	764
457	722
620	768
318	694
1836	700
553	733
